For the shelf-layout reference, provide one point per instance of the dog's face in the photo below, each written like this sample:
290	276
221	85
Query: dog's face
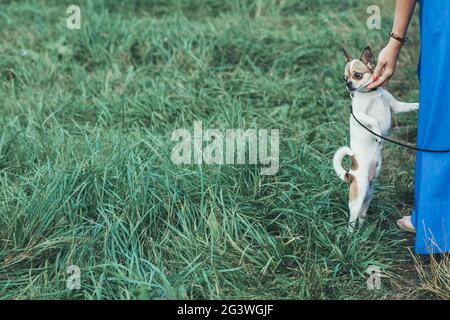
359	72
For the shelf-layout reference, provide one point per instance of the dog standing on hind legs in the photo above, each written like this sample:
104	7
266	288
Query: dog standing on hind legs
373	109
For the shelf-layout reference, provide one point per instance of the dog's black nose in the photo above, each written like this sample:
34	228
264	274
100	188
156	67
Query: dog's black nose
348	83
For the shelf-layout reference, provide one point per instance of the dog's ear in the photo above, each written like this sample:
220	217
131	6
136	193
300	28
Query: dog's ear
347	55
367	58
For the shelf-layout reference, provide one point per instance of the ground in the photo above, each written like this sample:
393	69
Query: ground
85	153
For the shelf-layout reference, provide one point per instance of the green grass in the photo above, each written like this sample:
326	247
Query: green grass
86	177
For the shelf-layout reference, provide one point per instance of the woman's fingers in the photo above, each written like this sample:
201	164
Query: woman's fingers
387	73
379	68
387	60
377	75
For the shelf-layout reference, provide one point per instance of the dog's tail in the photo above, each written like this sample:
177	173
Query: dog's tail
337	162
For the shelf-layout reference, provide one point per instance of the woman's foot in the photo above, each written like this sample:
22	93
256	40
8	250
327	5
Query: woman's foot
405	224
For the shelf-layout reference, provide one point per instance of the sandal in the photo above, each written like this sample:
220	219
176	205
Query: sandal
405	224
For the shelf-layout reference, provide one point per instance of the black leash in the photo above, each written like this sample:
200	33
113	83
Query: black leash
393	141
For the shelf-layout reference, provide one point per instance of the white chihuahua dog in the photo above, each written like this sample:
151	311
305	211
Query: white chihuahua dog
373	109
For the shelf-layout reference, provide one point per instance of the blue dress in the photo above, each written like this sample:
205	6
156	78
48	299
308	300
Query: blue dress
431	215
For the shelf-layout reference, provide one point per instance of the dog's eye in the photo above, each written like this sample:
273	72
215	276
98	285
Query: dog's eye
357	75
345	77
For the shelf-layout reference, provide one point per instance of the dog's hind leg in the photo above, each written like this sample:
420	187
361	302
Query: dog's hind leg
365	206
357	197
374	172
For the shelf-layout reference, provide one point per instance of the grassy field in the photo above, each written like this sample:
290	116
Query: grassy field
86	178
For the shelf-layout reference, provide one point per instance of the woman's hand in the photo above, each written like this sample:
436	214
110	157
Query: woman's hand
387	61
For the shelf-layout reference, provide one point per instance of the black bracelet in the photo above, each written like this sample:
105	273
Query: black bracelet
403	41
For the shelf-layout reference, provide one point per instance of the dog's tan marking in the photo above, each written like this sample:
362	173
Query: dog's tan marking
355	165
348	178
358	67
353	191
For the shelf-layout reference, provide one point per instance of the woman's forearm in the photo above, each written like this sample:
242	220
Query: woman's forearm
387	59
403	12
